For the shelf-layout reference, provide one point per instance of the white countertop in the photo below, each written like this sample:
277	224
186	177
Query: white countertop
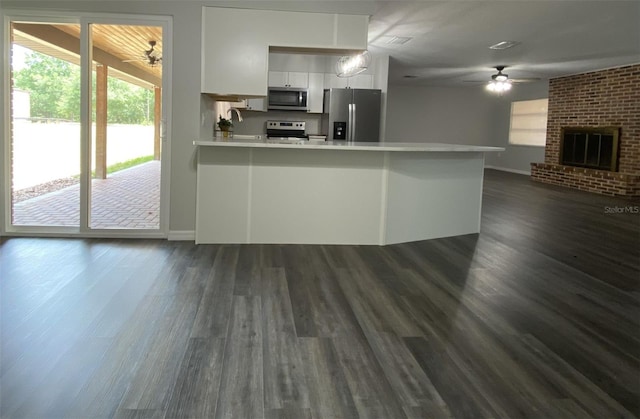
343	145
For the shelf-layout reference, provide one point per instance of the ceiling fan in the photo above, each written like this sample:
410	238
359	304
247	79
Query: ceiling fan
151	56
500	82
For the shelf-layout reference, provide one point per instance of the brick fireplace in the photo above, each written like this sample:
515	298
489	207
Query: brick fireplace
591	101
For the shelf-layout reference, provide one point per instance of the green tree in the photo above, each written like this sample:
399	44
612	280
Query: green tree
53	84
54	87
127	103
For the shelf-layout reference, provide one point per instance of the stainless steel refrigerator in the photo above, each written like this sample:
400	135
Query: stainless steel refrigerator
352	114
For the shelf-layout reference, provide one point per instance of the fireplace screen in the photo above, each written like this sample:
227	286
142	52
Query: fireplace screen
594	148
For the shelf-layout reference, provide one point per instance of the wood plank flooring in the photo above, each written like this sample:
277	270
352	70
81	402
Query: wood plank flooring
537	316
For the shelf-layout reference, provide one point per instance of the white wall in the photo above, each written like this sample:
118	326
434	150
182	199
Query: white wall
381	81
515	158
457	115
255	122
463	115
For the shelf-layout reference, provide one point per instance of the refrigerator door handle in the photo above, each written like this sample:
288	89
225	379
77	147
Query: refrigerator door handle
350	122
353	123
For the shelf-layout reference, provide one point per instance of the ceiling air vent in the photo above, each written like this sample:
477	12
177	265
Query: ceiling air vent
393	40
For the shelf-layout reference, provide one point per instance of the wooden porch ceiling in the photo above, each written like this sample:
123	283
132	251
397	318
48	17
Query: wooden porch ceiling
121	47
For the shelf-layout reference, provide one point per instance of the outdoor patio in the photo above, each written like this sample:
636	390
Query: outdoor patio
128	199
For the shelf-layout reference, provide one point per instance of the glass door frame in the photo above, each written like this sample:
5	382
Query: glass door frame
84	20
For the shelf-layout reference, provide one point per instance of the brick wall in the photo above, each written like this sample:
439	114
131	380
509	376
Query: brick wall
601	98
599	181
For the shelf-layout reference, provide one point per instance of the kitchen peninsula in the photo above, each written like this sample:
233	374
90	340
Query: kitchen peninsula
262	191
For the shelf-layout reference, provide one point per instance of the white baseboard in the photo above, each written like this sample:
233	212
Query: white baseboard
182	235
506	169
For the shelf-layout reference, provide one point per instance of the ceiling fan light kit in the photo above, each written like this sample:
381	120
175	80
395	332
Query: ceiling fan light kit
499	86
350	65
151	56
501	77
499	82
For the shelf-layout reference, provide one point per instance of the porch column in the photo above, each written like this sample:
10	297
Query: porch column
157	117
101	122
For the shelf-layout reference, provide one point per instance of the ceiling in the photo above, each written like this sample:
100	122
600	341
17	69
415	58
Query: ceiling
120	47
450	39
126	42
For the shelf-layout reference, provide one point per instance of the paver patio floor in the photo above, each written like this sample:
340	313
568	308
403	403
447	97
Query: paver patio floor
128	199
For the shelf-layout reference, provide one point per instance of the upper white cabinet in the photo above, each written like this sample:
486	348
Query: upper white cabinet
278	78
235	62
316	92
288	79
258	104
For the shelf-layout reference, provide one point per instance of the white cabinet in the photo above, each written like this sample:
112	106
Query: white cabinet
288	79
235	62
278	78
297	79
359	81
316	92
256	105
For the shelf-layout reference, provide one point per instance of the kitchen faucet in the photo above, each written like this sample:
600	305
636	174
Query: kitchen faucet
237	113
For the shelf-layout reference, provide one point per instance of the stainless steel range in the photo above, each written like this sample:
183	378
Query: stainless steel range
286	130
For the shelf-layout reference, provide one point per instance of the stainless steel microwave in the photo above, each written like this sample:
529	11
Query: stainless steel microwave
283	98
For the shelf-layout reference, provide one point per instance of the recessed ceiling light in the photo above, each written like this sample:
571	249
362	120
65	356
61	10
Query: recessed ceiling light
504	45
393	40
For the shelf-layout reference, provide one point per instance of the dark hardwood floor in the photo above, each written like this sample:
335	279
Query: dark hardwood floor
537	316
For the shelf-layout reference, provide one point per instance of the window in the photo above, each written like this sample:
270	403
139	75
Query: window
529	122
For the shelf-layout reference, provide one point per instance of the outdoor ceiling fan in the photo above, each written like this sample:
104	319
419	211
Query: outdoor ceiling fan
151	56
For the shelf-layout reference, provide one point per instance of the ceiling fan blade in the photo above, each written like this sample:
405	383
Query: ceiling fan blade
528	80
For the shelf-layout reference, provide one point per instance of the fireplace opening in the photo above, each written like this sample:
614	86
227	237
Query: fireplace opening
593	148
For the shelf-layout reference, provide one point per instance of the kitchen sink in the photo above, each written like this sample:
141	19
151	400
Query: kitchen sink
247	137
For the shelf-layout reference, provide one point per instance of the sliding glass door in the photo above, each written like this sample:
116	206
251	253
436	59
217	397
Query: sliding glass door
85	144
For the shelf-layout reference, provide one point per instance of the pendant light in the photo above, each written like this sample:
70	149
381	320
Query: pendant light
350	65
